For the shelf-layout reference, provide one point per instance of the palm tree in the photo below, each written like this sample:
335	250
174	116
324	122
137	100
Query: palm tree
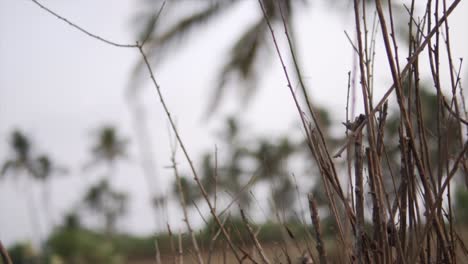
230	175
271	159
20	159
108	147
110	204
20	164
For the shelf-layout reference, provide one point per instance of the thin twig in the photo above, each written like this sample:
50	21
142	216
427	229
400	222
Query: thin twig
157	251
184	208
84	30
4	253
171	241
181	252
254	239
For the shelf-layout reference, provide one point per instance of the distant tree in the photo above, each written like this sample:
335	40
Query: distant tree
20	164
108	148
76	245
234	179
101	198
106	202
72	221
20	160
271	160
23	253
230	174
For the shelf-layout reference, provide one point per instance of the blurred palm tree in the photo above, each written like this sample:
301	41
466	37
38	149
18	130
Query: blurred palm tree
271	158
235	178
247	55
229	176
108	203
107	148
20	160
20	164
101	198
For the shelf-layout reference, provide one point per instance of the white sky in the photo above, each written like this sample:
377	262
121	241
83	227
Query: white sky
58	85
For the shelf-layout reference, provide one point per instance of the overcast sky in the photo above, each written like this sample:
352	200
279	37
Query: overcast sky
59	85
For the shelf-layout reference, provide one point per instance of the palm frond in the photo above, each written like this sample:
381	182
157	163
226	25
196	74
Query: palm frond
241	64
158	44
6	167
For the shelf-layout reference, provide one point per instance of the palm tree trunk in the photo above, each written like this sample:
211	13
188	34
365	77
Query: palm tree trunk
109	216
148	165
48	211
146	155
33	213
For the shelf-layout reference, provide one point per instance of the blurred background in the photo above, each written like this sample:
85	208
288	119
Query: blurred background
83	136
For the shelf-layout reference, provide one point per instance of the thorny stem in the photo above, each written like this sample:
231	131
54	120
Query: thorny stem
84	30
257	244
184	209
